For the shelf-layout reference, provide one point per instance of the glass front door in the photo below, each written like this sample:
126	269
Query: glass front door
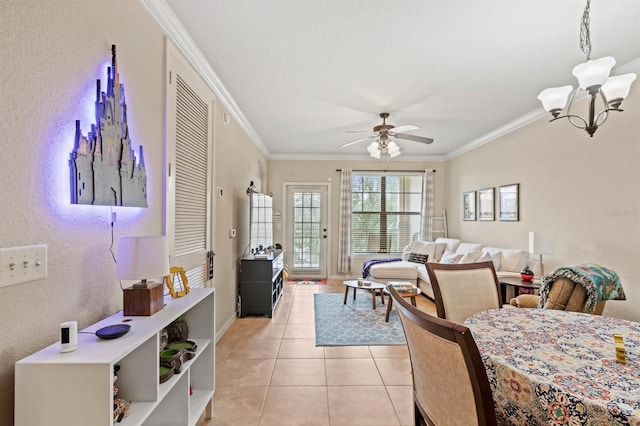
307	231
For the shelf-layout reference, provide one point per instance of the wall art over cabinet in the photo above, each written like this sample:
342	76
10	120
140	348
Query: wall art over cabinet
104	167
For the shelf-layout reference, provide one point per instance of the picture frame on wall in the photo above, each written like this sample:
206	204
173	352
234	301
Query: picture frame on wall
486	210
508	202
469	205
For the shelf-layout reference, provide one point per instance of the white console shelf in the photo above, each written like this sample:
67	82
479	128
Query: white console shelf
76	388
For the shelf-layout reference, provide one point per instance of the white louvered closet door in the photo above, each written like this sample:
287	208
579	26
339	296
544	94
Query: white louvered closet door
189	149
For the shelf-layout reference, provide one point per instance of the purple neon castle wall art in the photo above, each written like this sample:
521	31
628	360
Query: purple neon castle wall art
104	167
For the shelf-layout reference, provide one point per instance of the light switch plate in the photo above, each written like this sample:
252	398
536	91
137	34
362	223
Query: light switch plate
22	264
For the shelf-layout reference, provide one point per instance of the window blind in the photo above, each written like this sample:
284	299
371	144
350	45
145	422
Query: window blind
386	211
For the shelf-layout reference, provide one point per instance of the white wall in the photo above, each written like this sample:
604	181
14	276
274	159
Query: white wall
584	190
53	52
235	161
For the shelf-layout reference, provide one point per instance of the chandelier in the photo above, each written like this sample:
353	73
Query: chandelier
383	148
593	78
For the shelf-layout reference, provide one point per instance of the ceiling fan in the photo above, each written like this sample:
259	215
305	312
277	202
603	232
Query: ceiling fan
383	131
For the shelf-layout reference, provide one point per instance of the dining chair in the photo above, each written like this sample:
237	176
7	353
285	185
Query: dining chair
461	290
450	384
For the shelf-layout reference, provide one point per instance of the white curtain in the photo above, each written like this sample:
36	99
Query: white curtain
344	232
427	206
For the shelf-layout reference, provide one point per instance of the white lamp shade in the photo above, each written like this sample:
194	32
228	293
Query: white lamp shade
618	87
375	155
142	257
393	148
594	72
541	242
373	147
555	98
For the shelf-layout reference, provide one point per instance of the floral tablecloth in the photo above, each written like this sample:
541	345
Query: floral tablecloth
551	367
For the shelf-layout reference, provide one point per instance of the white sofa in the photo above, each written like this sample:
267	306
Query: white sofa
507	262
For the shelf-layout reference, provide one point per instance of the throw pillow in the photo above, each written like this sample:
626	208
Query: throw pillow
494	256
449	257
470	257
491	257
514	260
425	247
418	258
465	248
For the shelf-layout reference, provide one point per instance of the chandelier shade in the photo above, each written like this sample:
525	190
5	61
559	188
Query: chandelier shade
555	98
617	88
593	73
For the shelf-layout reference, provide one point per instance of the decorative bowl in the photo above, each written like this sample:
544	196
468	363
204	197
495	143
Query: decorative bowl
173	357
166	370
527	277
186	345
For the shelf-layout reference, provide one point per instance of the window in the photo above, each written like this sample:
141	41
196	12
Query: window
386	211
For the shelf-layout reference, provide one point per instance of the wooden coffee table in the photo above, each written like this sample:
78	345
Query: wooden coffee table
412	296
374	288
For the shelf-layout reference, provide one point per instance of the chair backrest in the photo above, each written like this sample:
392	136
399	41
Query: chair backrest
461	290
449	379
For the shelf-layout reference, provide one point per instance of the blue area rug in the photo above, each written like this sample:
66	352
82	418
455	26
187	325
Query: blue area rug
356	323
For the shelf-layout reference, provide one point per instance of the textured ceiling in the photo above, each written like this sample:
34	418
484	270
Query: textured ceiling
303	72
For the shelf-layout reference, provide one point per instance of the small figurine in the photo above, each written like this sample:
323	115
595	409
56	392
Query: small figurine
621	356
526	274
120	406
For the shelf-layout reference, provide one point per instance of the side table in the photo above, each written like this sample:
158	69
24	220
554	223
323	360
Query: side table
510	287
411	295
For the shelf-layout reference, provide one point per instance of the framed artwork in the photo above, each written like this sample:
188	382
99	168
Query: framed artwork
485	204
509	203
469	205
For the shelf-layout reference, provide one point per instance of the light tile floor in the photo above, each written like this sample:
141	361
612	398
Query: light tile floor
269	372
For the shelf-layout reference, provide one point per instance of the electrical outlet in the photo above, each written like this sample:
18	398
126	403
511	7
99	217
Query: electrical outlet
22	264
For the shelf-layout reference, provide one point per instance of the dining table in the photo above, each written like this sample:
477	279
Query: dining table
553	367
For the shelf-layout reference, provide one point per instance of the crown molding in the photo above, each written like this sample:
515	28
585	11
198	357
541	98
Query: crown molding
354	157
175	31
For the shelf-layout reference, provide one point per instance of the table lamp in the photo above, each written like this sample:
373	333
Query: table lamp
141	258
541	243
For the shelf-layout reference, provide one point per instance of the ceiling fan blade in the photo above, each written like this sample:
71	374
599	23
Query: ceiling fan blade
414	138
405	128
355	142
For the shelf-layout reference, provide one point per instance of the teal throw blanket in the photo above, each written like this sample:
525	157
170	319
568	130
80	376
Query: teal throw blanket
599	282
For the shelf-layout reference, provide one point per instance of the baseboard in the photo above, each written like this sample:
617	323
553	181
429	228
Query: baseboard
225	327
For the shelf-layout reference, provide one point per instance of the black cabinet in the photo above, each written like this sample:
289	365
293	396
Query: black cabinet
261	284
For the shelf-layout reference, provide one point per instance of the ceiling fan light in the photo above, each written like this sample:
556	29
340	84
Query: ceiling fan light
593	73
617	88
555	98
375	155
393	149
372	148
394	154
